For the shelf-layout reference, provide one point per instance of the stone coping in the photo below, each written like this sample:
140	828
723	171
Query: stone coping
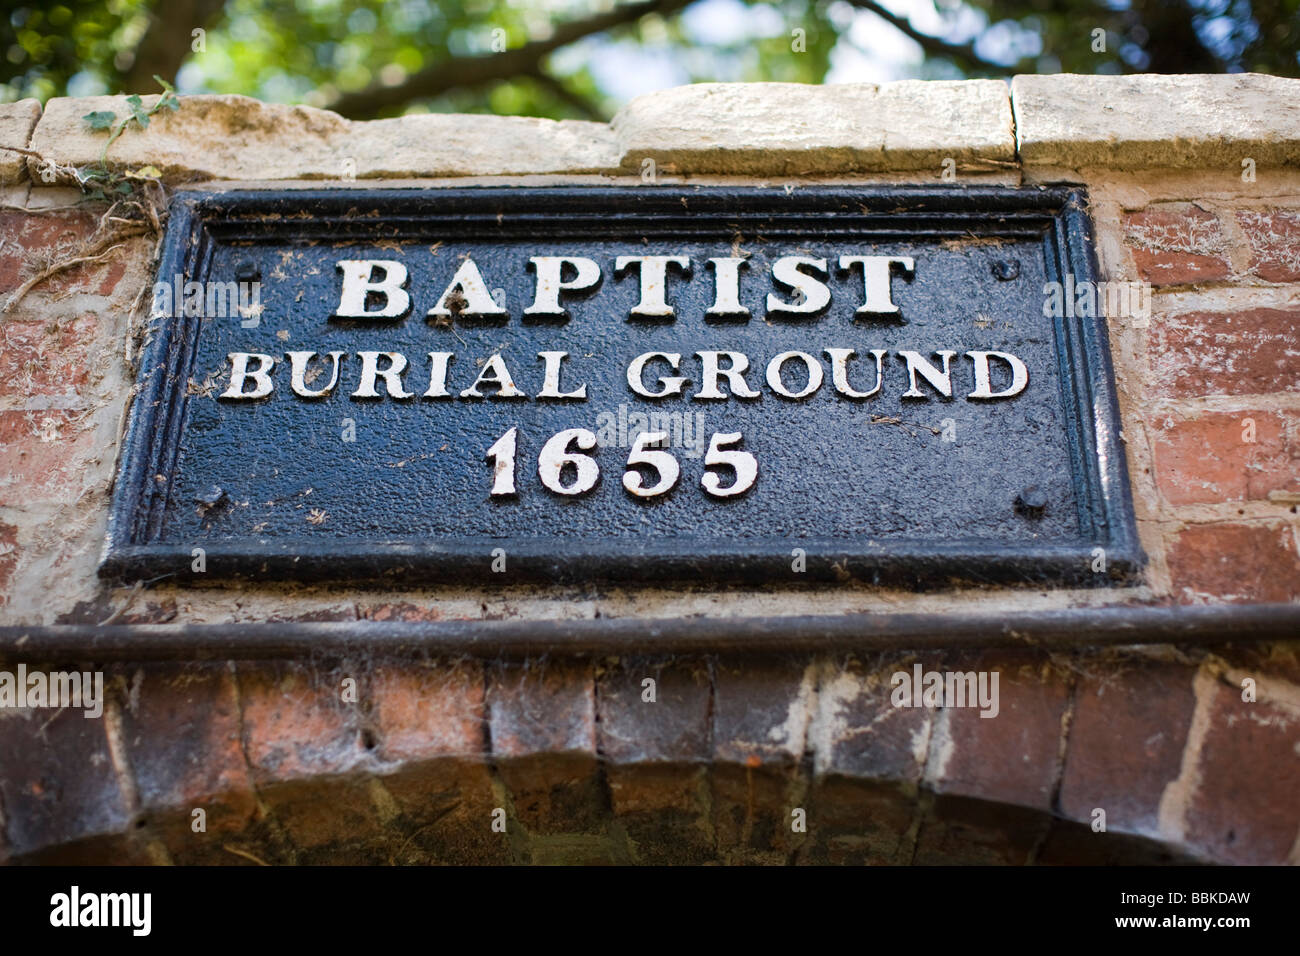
754	129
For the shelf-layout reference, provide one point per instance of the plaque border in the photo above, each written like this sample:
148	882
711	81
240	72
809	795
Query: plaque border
1057	216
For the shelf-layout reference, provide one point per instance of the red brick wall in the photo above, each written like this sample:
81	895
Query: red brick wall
584	770
1221	394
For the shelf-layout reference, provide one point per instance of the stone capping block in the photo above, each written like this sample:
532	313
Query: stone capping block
798	129
17	120
747	129
1150	120
240	138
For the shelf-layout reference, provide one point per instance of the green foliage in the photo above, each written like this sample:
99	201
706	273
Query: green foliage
1159	36
44	45
100	119
100	181
316	51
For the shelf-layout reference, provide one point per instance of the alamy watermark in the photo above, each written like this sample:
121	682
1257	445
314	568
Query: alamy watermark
1115	300
621	428
208	300
133	911
77	690
922	688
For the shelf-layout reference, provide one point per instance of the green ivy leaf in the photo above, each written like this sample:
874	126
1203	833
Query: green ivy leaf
164	84
100	119
137	109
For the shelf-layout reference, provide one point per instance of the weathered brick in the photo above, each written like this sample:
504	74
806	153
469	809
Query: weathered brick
107	603
753	812
577	849
542	708
543	725
664	809
1008	758
1126	741
556	793
34	241
338	612
1225	456
102	277
332	820
1178	244
858	731
8	558
1235	562
761	711
964	831
182	736
1274	238
399	611
431	726
1249	352
114	849
50	356
43	455
858	822
309	754
1263	660
426	712
445	806
296	723
1245	809
655	753
672	727
653	787
761	714
57	779
1075	844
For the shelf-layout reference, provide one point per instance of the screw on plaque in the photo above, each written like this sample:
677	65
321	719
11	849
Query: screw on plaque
1031	502
211	499
1006	269
246	270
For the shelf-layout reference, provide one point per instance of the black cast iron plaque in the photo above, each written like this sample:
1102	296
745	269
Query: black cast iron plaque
908	412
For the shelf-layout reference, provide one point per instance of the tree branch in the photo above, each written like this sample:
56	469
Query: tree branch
167	41
1173	44
936	46
577	101
477	70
